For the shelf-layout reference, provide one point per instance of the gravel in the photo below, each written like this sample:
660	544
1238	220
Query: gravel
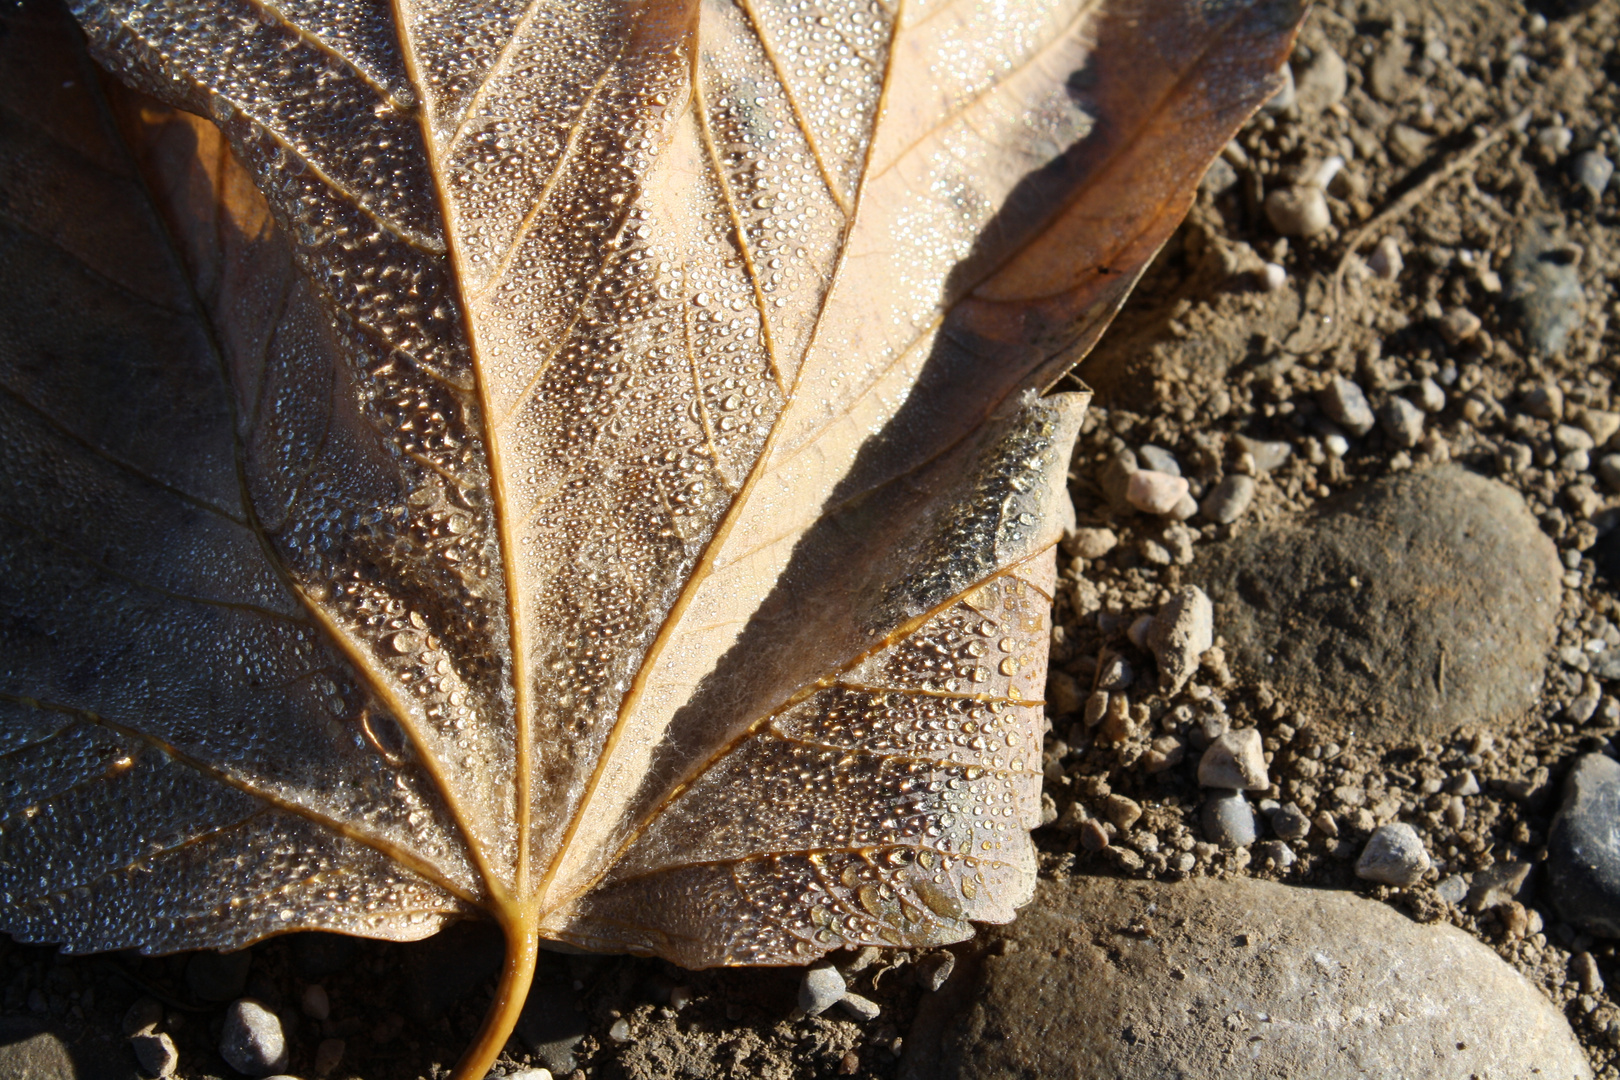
1155	492
1402	421
1289	822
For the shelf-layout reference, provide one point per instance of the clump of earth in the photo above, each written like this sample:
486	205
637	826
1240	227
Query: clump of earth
1330	784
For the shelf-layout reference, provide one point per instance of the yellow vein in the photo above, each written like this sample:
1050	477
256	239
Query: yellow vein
403	856
496	67
705	565
321	45
1061	39
798	112
544	197
724	183
517	629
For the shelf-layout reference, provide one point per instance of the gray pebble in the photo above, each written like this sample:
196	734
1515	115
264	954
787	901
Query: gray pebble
1347	406
1117	674
1289	822
1452	889
252	1041
156	1054
935	969
1394	855
1322	82
1544	289
1228	500
1568	437
1497	885
859	1007
1402	421
821	989
1608	470
145	1014
1158	459
1593	171
1298	210
1583	847
1220	177
1227	819
1275	852
1386	262
1267	455
1235	760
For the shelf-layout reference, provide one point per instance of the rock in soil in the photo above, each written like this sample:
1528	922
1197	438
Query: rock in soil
1583	849
1406	608
1227	819
1544	288
1205	979
253	1042
1235	760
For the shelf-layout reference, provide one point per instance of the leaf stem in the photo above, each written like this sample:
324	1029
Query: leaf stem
520	927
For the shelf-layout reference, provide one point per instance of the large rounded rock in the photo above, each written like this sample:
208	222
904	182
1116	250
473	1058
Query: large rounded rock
1204	979
1407	607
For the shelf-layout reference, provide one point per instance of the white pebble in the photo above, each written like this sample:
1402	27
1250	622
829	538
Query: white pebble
1236	760
1394	855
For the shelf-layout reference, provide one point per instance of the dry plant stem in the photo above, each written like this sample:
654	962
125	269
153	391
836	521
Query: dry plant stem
519	927
1393	213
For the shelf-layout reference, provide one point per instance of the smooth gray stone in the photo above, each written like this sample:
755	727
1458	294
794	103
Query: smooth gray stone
1583	847
1220	980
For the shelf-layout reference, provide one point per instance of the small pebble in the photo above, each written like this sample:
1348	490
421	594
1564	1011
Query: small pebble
1431	399
1235	760
145	1014
1228	500
1608	470
1273	277
860	1008
1322	83
1459	325
315	1003
1497	885
680	997
1385	262
1452	889
252	1041
156	1054
1267	455
1545	401
1346	405
1275	852
1402	421
1093	837
1465	783
1601	424
1182	631
1158	459
1154	492
821	989
1090	543
619	1032
1394	855
1227	819
329	1055
1593	171
1298	210
1122	811
935	968
1289	822
1583	965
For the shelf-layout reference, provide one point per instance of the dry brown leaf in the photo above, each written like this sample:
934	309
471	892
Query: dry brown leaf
579	464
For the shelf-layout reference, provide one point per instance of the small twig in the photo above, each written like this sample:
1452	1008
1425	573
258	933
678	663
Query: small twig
1394	211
